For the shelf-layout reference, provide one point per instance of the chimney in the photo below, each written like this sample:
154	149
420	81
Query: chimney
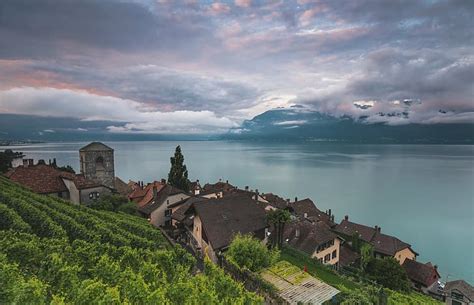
49	161
256	194
332	218
41	161
220	180
376	228
54	161
297	233
379	229
329	212
163	181
305	215
296	199
346	217
288	201
227	181
246	187
435	267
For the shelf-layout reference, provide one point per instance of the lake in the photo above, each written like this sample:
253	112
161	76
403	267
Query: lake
423	194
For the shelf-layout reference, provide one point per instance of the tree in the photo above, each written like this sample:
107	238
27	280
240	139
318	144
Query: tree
6	159
366	255
251	253
178	176
278	218
389	273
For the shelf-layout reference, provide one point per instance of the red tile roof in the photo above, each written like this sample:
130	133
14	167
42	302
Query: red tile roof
46	179
425	274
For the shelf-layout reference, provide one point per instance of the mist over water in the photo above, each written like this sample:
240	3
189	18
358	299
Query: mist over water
423	194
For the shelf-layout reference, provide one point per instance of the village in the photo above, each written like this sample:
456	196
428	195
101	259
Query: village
205	218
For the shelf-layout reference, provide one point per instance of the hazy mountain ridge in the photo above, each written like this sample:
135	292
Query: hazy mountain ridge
296	124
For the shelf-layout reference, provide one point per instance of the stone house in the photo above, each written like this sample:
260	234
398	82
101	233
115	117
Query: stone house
315	239
383	245
424	277
48	180
458	293
154	201
97	163
211	224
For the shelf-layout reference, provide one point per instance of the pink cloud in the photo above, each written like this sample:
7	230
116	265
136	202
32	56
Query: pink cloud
219	8
243	3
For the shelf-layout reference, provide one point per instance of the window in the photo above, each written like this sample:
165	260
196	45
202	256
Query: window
60	195
168	223
94	195
327	258
334	254
99	163
168	212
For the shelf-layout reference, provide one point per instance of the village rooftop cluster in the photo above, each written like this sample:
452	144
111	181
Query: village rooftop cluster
206	217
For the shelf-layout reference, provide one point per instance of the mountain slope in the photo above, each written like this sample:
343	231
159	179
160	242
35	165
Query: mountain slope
296	124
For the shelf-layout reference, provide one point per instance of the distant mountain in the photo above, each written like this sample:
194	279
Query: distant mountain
39	128
297	123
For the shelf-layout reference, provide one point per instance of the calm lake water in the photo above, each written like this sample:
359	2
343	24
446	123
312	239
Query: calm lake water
424	194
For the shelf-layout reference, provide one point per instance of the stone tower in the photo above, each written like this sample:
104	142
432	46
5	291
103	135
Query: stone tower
97	163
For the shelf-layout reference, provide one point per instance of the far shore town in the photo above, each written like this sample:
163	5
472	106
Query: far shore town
205	217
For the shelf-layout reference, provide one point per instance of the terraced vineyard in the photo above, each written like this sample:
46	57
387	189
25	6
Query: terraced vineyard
52	251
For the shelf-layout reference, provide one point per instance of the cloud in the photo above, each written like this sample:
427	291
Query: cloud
63	103
231	58
285	123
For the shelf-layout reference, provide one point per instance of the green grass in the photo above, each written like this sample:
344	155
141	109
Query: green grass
317	270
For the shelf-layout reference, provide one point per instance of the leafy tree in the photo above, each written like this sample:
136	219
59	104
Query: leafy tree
111	202
356	242
66	168
278	218
366	255
389	273
6	158
251	253
178	175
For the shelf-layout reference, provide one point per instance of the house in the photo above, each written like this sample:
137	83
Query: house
211	224
195	187
255	195
424	277
97	163
307	209
154	200
216	190
383	245
314	239
275	201
458	293
49	180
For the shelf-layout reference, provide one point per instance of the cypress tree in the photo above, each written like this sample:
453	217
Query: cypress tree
178	176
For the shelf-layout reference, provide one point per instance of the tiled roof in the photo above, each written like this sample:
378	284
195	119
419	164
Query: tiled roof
148	203
275	200
46	179
307	236
461	286
307	206
382	243
425	274
222	218
216	187
180	213
387	244
349	228
95	146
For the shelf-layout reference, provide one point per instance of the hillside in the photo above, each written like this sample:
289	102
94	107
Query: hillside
297	124
54	252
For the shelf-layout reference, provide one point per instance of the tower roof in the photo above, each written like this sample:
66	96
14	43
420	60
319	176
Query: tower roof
96	146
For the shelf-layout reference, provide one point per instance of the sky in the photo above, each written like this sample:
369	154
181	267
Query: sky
189	66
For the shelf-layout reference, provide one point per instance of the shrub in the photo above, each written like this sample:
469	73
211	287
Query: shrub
389	273
251	253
